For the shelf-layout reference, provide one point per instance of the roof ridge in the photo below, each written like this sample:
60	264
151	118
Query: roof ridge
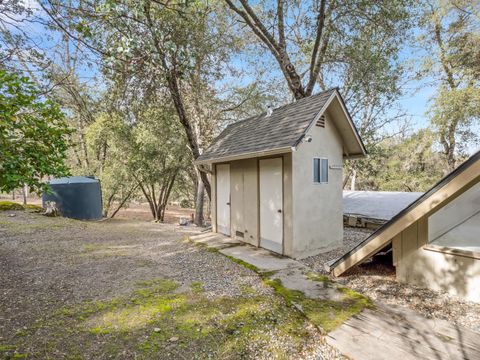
282	106
296	101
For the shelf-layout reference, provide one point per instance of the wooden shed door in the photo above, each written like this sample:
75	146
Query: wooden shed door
271	204
223	199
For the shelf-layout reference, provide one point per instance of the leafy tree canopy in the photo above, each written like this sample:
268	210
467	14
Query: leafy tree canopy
33	135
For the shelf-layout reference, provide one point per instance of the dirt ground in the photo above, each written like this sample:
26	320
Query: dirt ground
133	289
140	211
134	210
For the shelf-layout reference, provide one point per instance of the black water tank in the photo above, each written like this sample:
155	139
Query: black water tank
77	197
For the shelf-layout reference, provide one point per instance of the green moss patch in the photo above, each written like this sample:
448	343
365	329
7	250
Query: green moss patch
10	352
326	314
197	287
157	318
13	206
33	208
100	250
244	264
320	278
10	206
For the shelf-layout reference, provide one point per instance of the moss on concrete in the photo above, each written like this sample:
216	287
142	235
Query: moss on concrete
320	278
326	314
244	264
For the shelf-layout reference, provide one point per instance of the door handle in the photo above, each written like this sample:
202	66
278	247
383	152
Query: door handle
279	211
228	203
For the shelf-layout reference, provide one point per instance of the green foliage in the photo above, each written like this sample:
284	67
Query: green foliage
146	155
33	135
406	163
106	141
457	108
451	38
186	204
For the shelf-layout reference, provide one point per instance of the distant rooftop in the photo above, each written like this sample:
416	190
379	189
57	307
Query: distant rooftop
381	205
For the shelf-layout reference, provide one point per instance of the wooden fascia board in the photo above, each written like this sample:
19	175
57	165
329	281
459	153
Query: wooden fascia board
351	123
243	156
336	95
456	186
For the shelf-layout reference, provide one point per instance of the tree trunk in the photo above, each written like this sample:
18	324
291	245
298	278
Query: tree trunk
106	208
198	219
347	177
167	196
451	161
354	178
122	203
25	194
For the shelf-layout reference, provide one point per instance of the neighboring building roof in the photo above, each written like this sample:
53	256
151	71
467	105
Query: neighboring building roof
458	181
379	205
282	130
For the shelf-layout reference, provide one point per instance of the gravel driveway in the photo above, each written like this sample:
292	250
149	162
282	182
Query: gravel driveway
134	289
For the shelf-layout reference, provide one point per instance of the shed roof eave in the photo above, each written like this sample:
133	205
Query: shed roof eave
249	155
355	156
352	125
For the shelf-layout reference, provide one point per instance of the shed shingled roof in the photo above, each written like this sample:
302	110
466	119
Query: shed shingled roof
282	129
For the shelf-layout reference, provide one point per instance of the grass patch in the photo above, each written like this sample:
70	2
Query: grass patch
10	206
13	206
325	314
157	319
33	208
197	287
10	352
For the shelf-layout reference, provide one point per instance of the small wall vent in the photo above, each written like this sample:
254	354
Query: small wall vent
239	234
321	121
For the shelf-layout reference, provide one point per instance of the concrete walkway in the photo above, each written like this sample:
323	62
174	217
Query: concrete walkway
388	333
385	332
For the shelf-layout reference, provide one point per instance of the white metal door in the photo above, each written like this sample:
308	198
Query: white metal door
271	204
223	199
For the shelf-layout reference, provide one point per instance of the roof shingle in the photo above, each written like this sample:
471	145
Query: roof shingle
263	133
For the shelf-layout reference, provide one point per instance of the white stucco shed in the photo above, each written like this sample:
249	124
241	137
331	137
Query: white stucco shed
277	177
